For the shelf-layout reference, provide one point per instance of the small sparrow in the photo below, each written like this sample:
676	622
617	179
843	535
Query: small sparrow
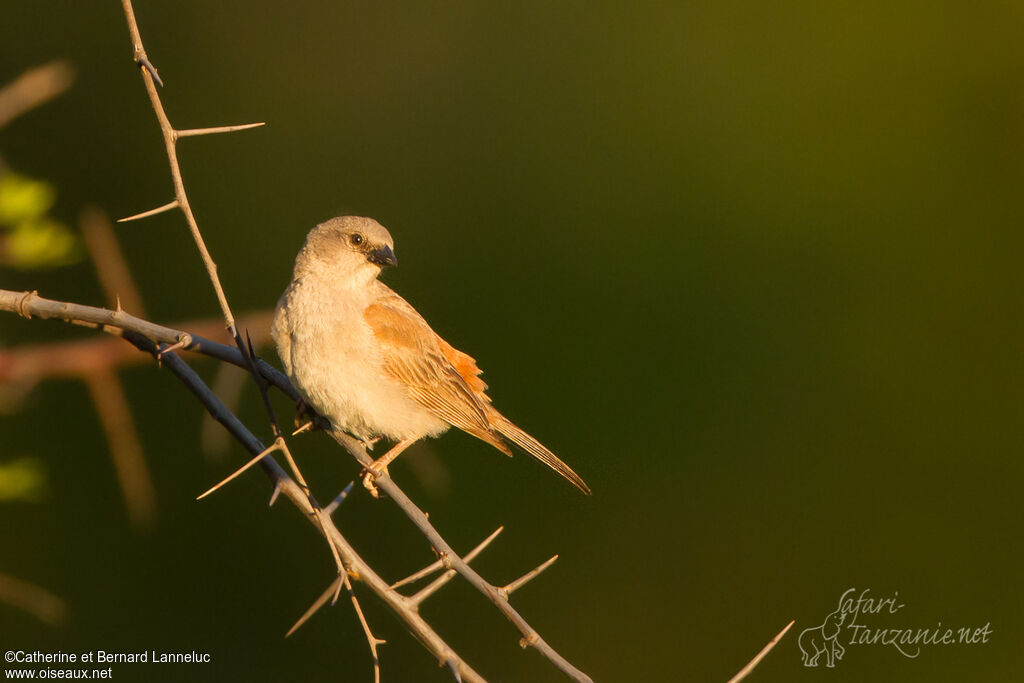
363	358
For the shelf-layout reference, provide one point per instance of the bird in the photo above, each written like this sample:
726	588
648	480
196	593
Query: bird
362	357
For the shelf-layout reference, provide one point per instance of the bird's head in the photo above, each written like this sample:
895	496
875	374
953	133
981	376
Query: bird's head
347	247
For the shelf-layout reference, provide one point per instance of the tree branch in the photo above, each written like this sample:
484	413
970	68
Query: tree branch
148	336
356	566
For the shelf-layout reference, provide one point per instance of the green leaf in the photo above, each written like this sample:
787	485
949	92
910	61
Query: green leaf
40	243
22	479
24	199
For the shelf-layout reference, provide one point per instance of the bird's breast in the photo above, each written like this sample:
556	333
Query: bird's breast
336	365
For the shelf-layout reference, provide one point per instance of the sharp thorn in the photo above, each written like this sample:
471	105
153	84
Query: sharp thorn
143	60
241	469
192	132
274	494
315	606
152	212
304	428
339	499
527	577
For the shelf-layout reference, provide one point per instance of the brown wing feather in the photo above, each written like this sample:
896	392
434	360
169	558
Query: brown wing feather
447	381
466	366
437	376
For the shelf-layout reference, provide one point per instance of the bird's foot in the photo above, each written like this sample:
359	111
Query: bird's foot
369	475
303	418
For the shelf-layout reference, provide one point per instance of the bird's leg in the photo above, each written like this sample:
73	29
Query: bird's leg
303	421
380	465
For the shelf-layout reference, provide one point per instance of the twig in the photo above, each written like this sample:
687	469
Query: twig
107	393
74	359
371	640
111	267
33	88
760	655
39	602
531	638
150	78
125	449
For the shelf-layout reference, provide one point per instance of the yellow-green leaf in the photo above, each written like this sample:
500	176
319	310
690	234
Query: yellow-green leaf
23	199
22	479
40	243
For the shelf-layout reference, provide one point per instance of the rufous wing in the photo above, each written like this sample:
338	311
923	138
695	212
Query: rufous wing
413	357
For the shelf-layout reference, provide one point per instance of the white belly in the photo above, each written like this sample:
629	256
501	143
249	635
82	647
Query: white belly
332	359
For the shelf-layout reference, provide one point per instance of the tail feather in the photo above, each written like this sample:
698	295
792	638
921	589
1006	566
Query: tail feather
535	448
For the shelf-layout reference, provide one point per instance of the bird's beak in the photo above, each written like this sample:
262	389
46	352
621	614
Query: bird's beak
382	256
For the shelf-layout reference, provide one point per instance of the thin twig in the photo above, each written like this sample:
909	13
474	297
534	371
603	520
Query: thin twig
171	137
760	655
150	78
53	360
371	640
531	638
33	88
125	449
39	602
111	267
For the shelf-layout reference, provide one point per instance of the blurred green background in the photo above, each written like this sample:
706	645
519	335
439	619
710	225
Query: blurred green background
753	270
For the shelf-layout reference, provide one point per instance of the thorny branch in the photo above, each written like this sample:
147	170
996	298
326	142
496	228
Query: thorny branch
150	77
530	636
163	343
156	339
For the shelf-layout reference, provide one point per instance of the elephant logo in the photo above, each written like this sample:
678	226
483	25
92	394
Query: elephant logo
823	640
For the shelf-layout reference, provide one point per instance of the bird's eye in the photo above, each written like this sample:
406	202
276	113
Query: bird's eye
356	239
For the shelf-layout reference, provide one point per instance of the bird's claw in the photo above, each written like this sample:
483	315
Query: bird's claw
303	418
369	474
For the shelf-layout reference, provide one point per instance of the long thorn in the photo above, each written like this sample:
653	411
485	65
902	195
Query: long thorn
191	132
440	581
437	565
455	670
317	604
143	60
267	451
183	341
527	577
304	428
339	499
760	655
152	212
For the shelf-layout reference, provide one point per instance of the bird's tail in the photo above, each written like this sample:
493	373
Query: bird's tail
535	448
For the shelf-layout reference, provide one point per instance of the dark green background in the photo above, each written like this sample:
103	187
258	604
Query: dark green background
752	270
